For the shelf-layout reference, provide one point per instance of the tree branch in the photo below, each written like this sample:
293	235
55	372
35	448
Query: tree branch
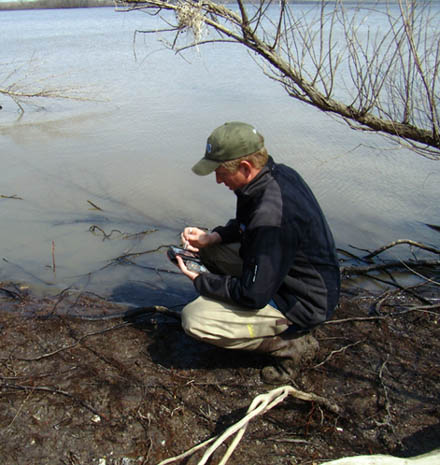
394	75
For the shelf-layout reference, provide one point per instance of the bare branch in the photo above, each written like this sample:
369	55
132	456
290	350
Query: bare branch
15	85
393	75
399	242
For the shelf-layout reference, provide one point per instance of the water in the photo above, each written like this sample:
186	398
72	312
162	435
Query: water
128	148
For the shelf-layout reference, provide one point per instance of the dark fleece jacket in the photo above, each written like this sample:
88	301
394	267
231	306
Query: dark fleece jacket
287	248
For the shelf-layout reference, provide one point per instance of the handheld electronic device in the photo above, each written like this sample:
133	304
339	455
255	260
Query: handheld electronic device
191	259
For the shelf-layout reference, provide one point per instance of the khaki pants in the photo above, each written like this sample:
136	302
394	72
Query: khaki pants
225	325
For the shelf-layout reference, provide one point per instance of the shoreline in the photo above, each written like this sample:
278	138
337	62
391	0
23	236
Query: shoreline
53	4
62	4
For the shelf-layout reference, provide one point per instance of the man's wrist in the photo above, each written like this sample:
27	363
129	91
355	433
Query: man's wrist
214	238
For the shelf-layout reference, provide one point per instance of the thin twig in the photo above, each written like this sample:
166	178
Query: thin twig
53	257
429	280
356	270
93	228
53	391
137	254
15	197
399	242
422	308
94	205
12	294
342	349
355	318
20	409
71	346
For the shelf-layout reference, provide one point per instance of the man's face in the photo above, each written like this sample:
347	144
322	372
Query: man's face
232	180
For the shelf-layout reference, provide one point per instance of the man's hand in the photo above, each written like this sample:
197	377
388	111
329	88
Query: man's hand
181	264
195	238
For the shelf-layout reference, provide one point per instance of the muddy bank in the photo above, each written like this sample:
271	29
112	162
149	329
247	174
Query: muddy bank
129	391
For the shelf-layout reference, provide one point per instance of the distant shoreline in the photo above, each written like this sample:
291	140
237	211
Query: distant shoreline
53	4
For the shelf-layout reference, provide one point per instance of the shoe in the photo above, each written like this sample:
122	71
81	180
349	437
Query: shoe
191	259
290	352
281	372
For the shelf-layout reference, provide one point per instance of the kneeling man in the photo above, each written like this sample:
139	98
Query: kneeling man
273	269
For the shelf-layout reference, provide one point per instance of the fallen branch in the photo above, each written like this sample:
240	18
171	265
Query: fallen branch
365	269
399	242
433	226
19	95
410	265
14	295
425	278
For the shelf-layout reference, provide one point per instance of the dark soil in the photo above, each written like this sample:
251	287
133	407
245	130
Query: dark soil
132	391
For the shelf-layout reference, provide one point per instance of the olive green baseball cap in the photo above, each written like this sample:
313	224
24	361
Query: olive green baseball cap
228	142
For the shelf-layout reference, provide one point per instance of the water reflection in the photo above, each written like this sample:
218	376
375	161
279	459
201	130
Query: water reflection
130	152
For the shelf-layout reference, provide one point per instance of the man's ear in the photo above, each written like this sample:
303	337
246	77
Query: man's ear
245	167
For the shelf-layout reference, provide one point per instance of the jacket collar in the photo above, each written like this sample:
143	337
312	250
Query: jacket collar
259	182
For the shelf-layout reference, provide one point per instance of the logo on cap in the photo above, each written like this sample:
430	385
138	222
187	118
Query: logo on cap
208	148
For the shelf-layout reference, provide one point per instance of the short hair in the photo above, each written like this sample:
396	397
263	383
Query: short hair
258	160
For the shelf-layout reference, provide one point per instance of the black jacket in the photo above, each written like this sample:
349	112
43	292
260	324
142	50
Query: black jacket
287	248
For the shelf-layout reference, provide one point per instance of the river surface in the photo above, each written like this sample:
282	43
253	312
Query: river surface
128	147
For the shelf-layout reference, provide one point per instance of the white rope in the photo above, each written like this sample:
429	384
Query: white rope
265	402
259	405
432	458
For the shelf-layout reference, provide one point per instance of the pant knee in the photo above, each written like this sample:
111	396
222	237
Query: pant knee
196	323
186	320
192	322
